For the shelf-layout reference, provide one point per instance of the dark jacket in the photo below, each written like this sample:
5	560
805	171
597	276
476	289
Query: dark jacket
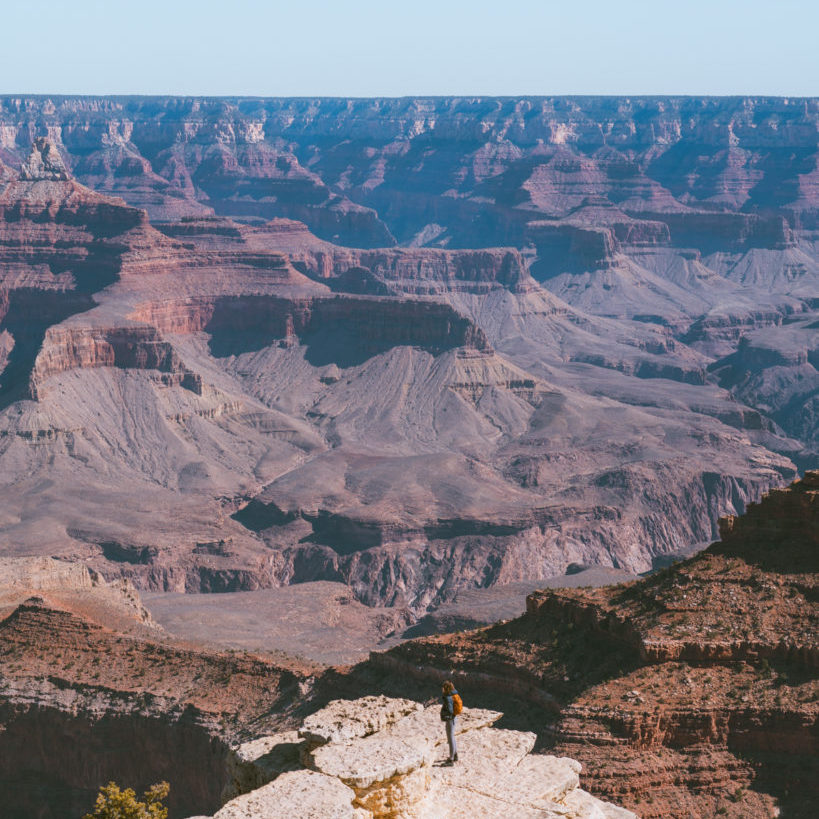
448	705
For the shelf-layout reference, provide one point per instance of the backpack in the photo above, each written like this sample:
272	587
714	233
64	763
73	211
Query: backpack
457	703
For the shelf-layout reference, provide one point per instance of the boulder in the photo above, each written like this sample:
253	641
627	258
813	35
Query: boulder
372	759
390	774
345	720
306	794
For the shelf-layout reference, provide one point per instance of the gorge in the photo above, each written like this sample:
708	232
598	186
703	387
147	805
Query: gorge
416	346
388	368
691	692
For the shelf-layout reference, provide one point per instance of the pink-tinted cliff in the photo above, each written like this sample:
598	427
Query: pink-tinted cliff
468	171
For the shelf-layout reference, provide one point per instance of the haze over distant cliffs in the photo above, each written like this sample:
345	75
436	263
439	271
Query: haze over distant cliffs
415	345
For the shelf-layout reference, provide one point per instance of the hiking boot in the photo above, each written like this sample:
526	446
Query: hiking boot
455	758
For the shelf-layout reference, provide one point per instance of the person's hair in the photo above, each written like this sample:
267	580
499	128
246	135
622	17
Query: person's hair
448	687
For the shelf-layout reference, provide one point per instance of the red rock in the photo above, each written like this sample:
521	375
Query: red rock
692	690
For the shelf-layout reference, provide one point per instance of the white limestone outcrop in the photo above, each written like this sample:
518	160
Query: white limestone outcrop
346	720
305	794
382	758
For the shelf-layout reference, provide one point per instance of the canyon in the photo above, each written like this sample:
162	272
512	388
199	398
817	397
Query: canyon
414	346
286	381
692	692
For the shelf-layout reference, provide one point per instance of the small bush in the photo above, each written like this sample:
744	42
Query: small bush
113	803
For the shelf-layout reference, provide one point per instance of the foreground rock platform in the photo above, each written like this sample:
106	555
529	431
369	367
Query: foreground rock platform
383	758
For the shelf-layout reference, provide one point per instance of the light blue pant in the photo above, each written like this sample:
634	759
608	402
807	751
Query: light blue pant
450	738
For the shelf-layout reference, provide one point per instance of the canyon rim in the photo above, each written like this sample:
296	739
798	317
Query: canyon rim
286	380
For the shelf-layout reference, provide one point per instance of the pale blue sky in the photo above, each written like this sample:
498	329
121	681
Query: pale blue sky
417	47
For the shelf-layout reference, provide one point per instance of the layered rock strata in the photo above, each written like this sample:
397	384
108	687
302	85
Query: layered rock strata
91	690
427	167
693	691
544	374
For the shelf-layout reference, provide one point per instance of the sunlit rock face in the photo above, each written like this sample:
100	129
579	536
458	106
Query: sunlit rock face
416	346
382	757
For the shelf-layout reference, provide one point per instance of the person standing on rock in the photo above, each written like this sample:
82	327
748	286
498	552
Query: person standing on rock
450	708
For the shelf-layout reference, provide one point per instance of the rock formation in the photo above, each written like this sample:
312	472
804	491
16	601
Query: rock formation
44	163
73	585
91	690
414	346
381	757
691	692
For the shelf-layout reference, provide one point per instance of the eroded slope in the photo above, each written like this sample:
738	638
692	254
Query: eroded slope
693	692
263	406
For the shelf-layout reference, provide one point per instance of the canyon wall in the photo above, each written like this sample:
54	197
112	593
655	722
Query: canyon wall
92	692
414	166
54	762
503	337
690	692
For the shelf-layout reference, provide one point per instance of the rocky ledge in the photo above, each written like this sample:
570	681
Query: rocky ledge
691	692
383	757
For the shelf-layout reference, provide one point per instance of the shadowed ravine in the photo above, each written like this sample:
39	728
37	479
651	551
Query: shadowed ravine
52	763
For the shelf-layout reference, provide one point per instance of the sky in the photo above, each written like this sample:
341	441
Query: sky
366	48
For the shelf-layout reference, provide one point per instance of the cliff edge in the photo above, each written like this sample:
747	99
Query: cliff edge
382	758
693	692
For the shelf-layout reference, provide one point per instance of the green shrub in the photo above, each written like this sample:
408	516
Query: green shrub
113	803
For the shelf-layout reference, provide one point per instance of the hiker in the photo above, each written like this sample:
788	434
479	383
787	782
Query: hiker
451	707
